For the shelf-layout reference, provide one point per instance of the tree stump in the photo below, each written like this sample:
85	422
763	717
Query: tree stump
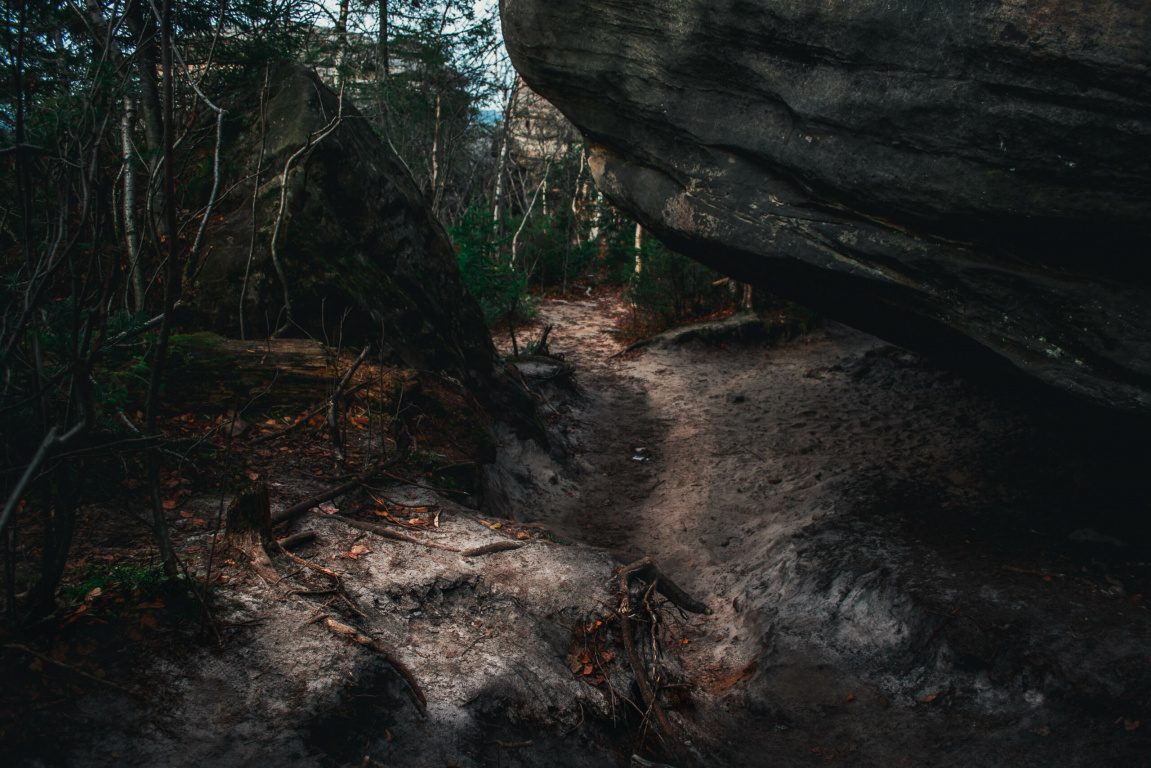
249	529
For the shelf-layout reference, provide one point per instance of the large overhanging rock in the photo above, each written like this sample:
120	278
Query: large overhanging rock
971	177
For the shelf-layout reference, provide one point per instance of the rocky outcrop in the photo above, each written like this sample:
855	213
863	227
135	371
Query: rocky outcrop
361	253
971	178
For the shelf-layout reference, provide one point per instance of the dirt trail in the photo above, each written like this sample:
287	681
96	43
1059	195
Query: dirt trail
830	499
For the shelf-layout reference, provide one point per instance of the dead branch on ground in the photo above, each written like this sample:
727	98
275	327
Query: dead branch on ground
284	515
334	405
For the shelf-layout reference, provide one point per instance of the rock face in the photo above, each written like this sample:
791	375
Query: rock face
355	238
971	177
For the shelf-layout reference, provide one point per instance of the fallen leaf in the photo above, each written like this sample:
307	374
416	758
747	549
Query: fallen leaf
587	670
929	699
170	504
186	515
497	525
685	641
523	535
148	620
1130	725
851	697
360	549
253	476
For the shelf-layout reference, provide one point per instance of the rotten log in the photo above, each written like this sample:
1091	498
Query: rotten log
210	373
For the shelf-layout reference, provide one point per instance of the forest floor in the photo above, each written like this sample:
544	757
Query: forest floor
901	568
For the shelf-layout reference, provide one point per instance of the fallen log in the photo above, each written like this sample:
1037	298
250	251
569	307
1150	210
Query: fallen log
210	373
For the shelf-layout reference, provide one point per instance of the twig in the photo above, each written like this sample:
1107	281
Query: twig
414	484
334	404
52	440
632	347
304	419
296	510
276	263
648	570
70	668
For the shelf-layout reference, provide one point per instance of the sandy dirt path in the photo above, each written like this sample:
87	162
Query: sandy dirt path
830	499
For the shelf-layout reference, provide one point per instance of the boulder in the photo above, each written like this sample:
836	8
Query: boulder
363	256
971	178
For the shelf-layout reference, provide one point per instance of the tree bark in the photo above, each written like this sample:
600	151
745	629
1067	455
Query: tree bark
342	41
131	233
249	529
638	247
159	520
143	28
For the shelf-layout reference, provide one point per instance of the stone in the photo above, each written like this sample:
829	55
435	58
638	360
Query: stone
970	178
361	251
364	257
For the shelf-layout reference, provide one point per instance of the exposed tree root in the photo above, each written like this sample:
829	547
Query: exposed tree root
386	532
648	570
496	546
297	539
353	634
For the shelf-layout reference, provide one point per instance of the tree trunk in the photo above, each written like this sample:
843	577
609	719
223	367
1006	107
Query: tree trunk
143	28
159	520
342	41
435	156
131	234
505	141
248	530
638	247
384	64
